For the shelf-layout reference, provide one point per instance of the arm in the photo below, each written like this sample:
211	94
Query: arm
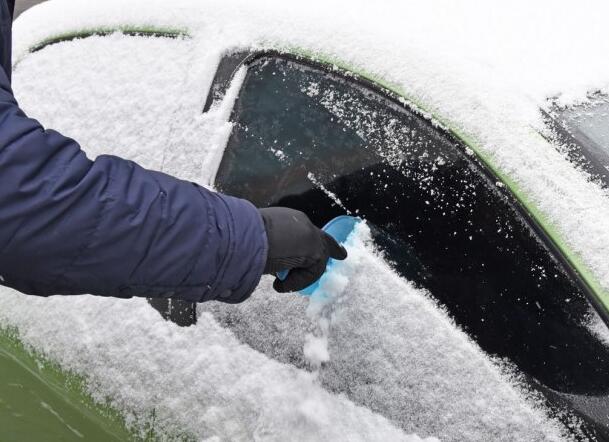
69	225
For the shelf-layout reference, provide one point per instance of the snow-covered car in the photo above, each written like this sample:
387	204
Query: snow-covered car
474	304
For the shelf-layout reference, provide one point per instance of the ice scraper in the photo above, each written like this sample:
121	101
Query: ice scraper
338	228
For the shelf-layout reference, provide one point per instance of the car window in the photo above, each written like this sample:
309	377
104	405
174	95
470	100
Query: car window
308	138
592	121
583	132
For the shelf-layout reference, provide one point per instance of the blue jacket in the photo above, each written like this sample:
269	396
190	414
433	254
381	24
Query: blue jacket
69	225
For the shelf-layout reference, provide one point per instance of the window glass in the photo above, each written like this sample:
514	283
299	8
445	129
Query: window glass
315	141
583	133
592	121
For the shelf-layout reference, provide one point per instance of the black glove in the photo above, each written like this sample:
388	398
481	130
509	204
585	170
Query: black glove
297	245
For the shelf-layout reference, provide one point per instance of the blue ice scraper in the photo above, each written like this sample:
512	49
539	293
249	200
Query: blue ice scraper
339	228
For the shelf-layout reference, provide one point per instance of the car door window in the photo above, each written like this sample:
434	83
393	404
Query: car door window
308	138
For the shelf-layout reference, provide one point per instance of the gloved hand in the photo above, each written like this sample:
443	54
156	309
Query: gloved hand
297	245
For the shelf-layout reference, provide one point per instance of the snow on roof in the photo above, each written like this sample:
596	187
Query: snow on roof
483	67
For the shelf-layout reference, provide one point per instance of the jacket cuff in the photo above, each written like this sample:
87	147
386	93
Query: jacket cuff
245	257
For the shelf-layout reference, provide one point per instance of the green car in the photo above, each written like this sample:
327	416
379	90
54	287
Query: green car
472	312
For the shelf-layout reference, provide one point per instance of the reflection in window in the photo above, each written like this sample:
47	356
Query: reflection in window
308	139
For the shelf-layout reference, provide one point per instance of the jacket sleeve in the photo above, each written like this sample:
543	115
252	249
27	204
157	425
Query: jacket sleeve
69	225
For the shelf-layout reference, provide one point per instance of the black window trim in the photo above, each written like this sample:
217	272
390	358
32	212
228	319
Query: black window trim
102	32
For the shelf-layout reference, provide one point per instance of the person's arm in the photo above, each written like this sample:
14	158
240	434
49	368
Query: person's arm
69	225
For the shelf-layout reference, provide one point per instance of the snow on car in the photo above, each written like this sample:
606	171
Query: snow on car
474	303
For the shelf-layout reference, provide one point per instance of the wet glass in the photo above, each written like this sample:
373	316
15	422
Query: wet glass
319	142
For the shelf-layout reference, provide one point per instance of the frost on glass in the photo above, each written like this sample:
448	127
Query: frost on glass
582	132
314	141
592	120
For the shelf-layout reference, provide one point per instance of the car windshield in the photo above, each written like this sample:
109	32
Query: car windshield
329	145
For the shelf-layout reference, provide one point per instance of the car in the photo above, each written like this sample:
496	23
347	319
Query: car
474	304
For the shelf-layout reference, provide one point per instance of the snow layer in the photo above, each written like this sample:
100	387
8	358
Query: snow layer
200	381
388	347
484	67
